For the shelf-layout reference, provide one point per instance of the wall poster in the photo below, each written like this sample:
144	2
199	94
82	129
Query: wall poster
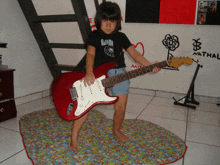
173	12
208	13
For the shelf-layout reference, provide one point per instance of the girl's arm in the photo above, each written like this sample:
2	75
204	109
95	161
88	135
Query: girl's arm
139	58
89	77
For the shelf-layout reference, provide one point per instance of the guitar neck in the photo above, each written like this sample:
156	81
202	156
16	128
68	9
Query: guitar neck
111	81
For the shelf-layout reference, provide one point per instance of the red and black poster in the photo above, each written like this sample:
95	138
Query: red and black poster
166	11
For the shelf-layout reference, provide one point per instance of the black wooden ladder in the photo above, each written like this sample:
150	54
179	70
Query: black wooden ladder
35	22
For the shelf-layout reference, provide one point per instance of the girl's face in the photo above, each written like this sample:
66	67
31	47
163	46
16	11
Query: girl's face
108	26
212	6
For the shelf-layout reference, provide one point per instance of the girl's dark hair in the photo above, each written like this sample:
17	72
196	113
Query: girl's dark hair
109	11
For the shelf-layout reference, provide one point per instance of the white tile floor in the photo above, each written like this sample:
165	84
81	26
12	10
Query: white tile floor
200	128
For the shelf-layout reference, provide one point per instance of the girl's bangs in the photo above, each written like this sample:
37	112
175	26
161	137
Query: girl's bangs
110	16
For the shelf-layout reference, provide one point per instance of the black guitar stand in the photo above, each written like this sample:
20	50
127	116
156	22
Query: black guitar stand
189	98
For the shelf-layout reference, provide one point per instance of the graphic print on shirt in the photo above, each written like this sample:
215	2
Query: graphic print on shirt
108	47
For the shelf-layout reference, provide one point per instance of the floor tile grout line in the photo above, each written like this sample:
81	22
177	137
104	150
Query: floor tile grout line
145	107
12	156
203	143
201	110
187	118
203	123
10	129
209	111
183	120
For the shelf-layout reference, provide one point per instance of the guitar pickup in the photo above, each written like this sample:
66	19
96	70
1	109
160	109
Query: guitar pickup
73	93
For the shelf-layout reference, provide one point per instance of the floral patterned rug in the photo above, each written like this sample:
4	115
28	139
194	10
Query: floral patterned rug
46	137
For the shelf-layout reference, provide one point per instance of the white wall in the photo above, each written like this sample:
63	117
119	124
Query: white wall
32	74
22	53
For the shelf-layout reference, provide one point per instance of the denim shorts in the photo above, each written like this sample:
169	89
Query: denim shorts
121	88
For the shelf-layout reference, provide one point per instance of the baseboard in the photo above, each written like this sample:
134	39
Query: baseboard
32	97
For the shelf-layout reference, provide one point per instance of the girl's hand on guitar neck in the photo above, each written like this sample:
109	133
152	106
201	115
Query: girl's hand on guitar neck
155	70
89	79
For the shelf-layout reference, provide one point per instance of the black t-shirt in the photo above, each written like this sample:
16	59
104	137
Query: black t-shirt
109	47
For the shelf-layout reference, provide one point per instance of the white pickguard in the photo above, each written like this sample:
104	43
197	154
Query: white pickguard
89	95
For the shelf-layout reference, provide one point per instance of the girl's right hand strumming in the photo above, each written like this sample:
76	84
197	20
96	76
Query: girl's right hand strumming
89	78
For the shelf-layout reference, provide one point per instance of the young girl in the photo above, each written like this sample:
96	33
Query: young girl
105	45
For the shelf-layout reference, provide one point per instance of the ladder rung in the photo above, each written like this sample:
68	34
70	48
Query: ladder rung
64	45
63	67
55	18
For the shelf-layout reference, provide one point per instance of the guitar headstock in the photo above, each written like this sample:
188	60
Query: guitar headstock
176	62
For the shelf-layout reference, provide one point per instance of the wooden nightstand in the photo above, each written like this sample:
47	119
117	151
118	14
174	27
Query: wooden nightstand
7	102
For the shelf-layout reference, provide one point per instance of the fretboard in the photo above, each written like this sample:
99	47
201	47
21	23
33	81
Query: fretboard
108	82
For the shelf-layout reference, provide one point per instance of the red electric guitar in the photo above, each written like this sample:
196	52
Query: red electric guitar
72	99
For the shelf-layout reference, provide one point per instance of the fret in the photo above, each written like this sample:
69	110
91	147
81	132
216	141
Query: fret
140	71
117	79
113	81
137	72
157	65
129	75
165	63
161	66
110	81
147	69
107	82
144	70
120	78
104	82
125	76
151	67
132	74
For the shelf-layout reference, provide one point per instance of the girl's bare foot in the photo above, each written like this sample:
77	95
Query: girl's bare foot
120	135
73	146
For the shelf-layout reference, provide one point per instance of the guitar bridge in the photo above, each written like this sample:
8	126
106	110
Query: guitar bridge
73	93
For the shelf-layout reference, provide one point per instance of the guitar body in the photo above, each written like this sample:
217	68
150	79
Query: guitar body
72	99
